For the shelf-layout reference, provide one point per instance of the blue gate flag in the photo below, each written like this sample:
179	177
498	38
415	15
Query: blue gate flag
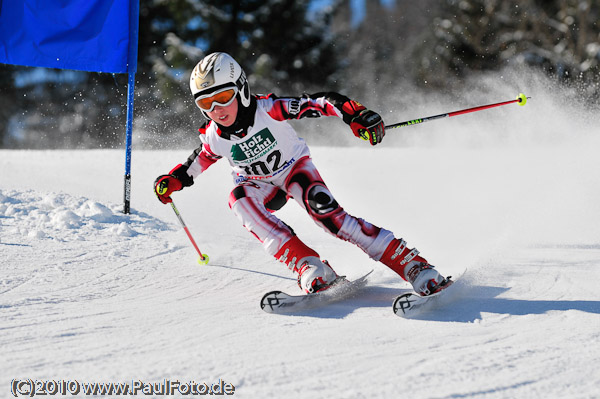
87	35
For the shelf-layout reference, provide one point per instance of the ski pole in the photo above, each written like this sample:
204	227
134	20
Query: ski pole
521	100
203	260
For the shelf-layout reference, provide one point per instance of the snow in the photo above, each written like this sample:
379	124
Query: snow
90	294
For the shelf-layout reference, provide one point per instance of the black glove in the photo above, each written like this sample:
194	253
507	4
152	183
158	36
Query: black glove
368	125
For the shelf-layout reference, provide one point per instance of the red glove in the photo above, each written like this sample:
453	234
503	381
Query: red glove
365	124
165	185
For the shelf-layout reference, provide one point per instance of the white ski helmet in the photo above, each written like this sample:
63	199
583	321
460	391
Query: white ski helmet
216	73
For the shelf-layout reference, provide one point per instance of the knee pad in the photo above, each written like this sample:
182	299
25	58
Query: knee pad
320	201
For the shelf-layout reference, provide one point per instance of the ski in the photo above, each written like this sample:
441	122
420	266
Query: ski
281	303
412	304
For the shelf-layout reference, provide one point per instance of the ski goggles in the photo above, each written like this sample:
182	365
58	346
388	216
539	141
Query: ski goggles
223	97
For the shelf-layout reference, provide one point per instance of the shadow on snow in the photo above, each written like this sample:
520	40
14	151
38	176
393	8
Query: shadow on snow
468	303
464	305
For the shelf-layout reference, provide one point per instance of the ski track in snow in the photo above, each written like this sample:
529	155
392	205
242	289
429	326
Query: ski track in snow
90	294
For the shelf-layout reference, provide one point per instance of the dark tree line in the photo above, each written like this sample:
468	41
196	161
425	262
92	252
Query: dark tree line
288	48
561	37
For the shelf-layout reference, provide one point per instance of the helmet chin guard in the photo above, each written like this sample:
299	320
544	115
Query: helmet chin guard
217	71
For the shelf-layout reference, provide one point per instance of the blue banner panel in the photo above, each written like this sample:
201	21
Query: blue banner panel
87	35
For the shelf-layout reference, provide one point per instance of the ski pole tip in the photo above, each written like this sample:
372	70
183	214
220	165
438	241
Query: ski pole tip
522	99
203	260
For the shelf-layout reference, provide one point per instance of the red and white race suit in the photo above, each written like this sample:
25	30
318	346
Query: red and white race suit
270	164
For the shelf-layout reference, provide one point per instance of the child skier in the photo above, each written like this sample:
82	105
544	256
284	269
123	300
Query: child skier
271	164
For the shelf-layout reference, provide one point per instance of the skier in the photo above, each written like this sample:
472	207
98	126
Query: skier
271	164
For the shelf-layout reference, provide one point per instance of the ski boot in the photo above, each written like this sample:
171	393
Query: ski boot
413	268
426	280
313	274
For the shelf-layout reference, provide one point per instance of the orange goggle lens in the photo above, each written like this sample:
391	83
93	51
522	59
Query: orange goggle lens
223	98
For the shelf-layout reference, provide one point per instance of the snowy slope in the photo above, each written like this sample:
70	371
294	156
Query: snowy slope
90	294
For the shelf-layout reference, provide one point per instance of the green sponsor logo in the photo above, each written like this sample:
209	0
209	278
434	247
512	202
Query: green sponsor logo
253	148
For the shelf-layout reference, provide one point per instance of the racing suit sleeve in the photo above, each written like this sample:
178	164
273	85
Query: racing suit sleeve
311	106
201	158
